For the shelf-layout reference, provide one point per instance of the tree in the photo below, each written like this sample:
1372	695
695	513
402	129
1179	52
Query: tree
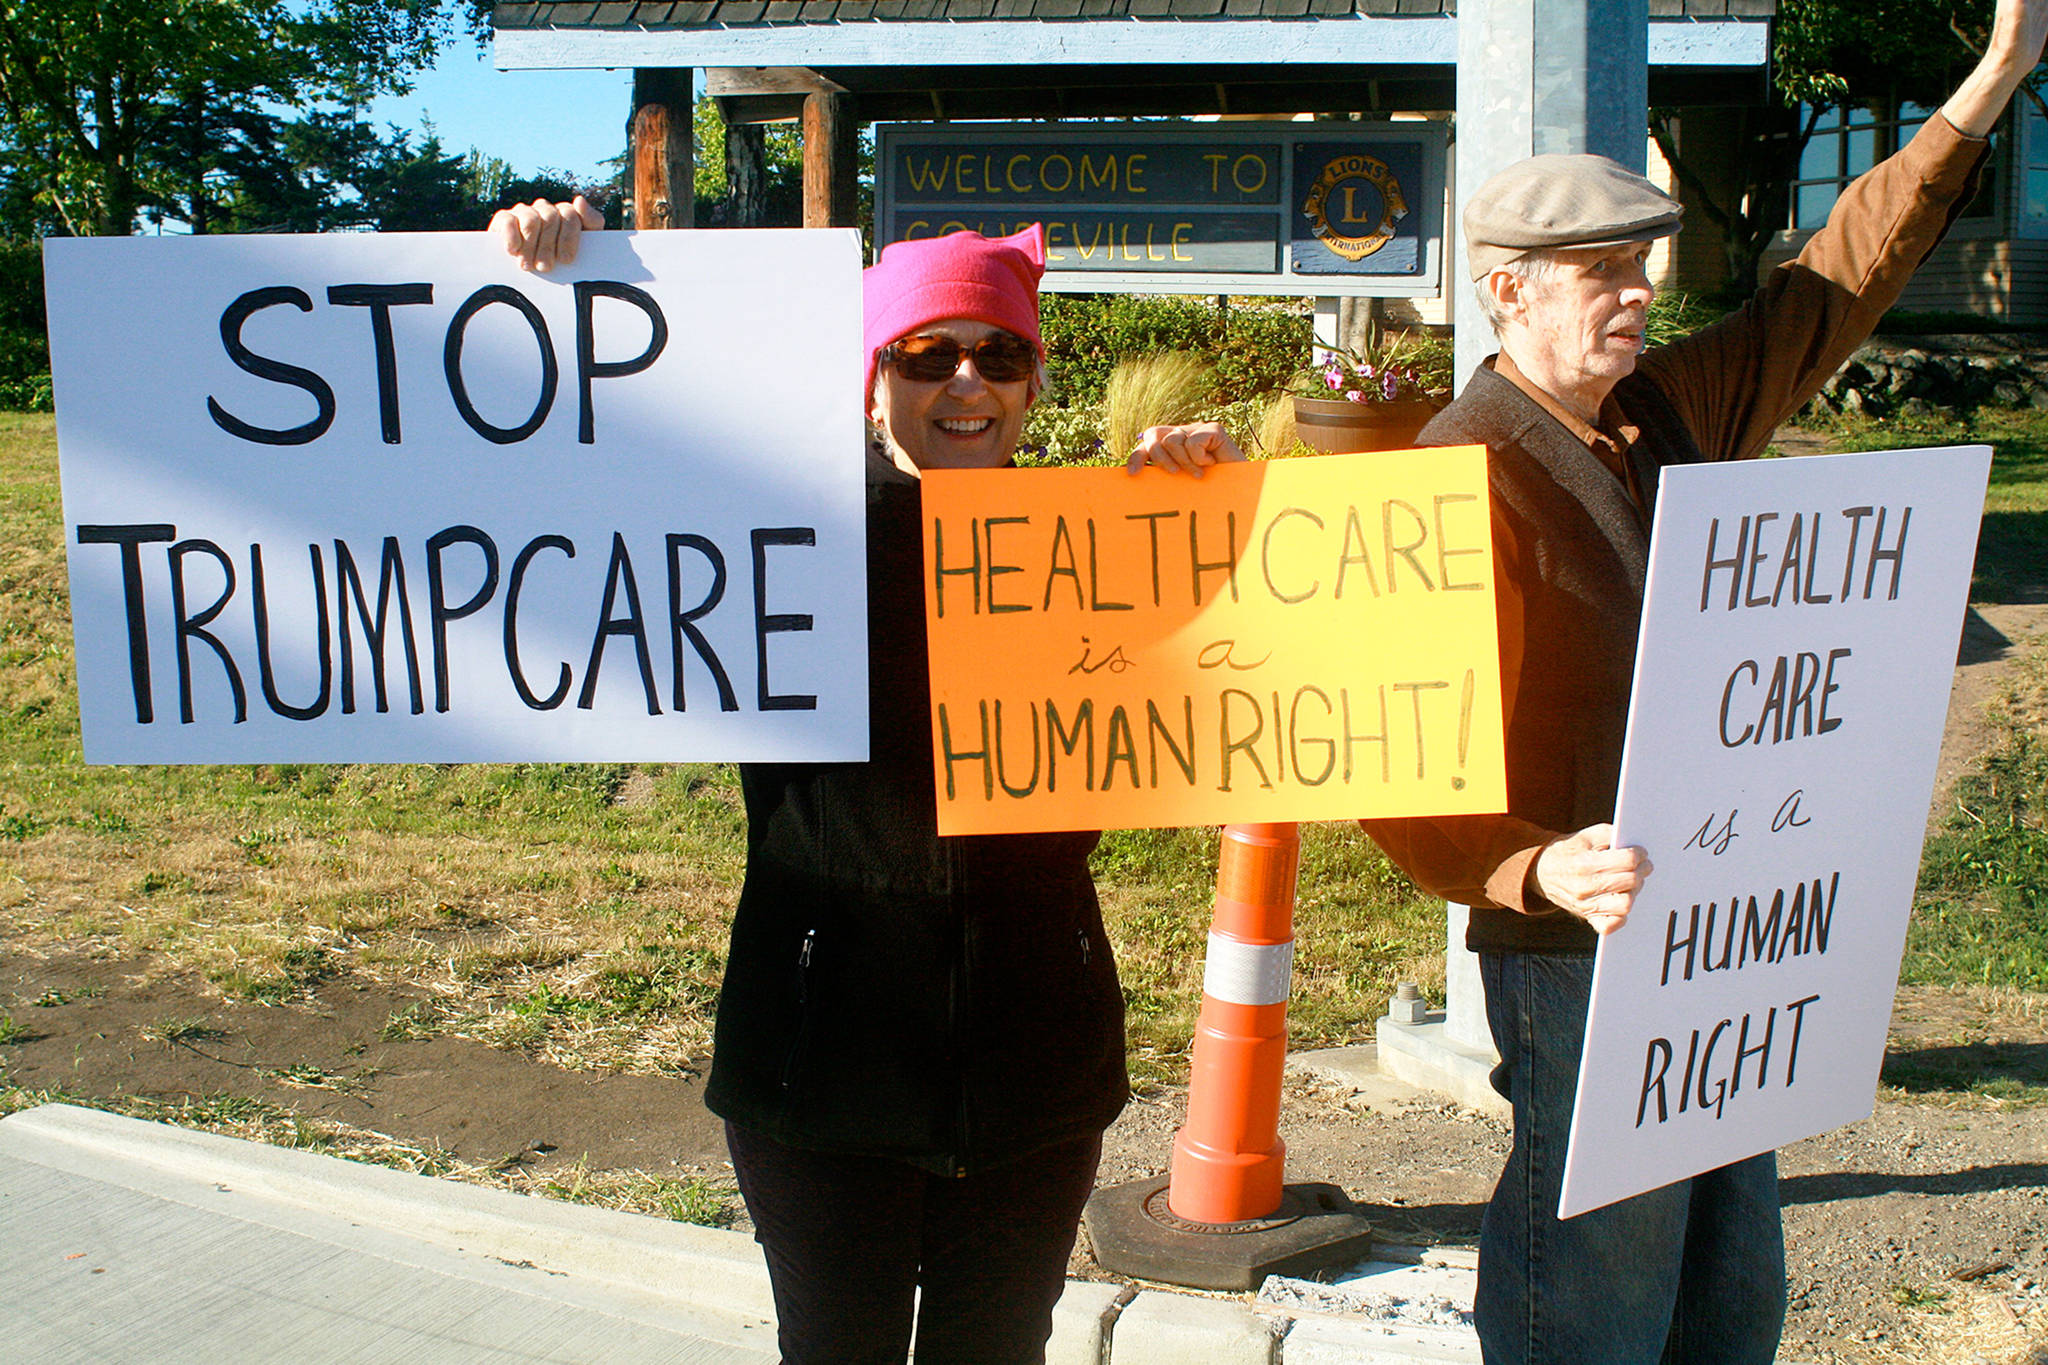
1824	53
107	105
748	174
329	171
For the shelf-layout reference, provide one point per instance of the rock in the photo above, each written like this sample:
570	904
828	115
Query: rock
1919	378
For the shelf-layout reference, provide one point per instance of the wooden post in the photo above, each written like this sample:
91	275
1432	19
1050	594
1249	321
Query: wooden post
831	156
664	167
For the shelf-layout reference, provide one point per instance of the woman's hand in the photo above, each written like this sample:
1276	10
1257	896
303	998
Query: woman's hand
1185	449
544	235
1584	874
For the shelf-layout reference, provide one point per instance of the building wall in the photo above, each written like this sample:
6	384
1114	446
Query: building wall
1997	277
1670	263
1695	263
1976	270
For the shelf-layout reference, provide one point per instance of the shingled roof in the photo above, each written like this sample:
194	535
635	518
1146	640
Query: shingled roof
921	59
674	14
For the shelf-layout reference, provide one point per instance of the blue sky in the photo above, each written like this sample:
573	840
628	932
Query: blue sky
563	120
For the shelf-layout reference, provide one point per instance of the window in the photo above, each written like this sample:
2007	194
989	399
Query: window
1847	140
2033	169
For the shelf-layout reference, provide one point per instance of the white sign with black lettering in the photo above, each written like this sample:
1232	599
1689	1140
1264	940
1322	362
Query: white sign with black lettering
377	498
1792	678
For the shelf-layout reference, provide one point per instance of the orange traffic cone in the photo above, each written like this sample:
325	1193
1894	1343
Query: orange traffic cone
1225	1218
1229	1163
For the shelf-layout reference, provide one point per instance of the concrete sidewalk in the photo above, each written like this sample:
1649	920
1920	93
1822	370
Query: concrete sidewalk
122	1239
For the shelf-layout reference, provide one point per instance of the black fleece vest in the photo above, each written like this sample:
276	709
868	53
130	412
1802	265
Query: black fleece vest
1584	545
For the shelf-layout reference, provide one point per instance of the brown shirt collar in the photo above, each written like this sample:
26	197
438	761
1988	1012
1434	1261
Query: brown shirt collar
1609	440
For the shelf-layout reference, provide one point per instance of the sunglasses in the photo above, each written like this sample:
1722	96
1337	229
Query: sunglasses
1001	358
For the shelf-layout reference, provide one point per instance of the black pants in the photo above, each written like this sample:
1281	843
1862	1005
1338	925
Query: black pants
853	1241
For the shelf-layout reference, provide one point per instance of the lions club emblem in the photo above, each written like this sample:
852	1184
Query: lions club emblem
1354	205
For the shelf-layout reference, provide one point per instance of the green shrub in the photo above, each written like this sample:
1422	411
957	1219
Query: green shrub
1433	357
1057	435
24	348
1054	435
1250	350
1254	347
1260	346
31	393
1253	424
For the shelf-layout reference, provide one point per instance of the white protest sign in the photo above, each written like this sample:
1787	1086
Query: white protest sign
1798	639
380	498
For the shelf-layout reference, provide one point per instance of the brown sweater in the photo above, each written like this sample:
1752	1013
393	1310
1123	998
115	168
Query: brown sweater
1728	386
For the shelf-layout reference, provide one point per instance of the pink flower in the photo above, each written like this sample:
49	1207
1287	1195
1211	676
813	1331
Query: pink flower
1354	395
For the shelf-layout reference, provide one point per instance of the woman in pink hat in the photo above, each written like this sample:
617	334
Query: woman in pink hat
919	1039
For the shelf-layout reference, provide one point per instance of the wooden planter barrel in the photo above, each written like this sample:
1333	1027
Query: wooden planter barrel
1339	426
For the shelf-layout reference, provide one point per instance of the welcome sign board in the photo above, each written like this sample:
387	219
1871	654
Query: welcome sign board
1792	678
1180	207
1289	640
379	498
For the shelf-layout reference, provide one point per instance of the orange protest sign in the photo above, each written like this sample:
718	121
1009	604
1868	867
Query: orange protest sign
1296	640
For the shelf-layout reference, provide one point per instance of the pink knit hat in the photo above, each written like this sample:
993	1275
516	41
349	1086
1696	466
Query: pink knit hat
959	275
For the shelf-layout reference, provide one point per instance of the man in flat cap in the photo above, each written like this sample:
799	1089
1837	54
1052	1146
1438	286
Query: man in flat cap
1578	419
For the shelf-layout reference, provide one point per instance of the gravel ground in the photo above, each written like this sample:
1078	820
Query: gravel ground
1920	1234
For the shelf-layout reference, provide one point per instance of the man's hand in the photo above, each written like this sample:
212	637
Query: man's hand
1185	449
544	235
1584	874
2019	30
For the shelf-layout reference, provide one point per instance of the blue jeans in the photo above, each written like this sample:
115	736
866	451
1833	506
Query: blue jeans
1690	1274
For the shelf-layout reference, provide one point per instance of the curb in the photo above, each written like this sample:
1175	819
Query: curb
705	1269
